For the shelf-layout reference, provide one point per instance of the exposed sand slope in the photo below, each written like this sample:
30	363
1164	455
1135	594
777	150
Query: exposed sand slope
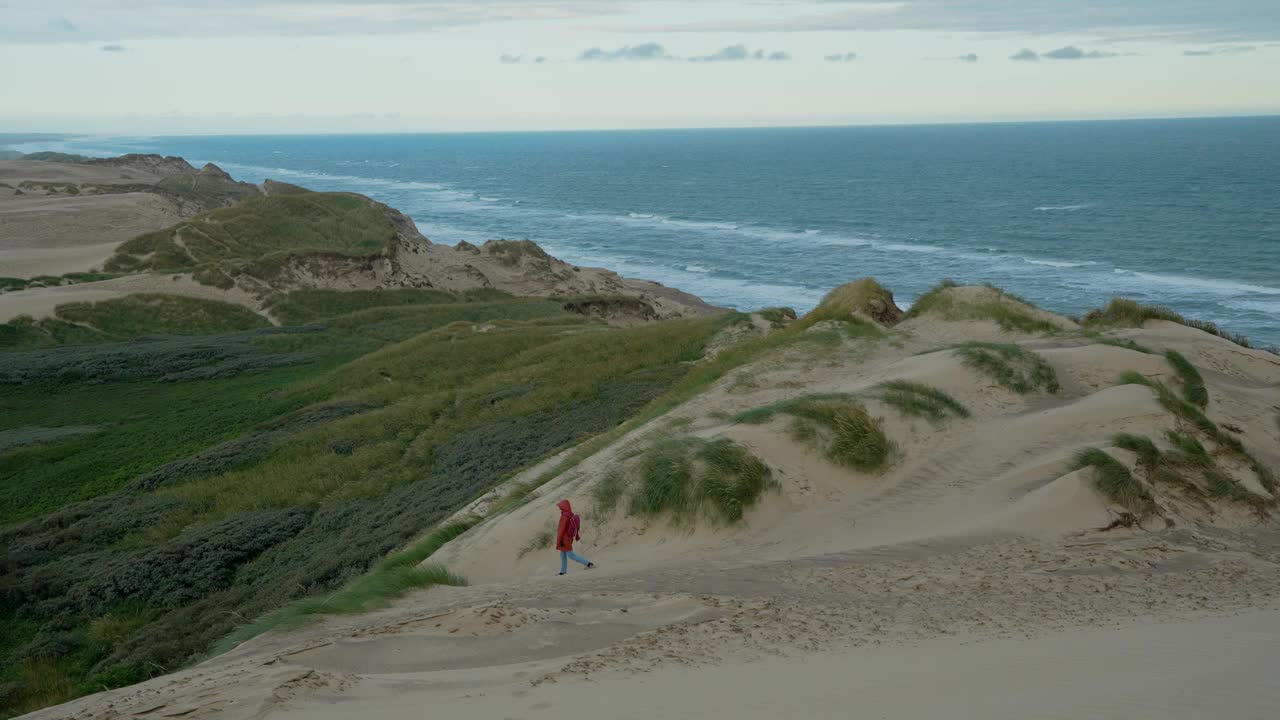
45	233
969	579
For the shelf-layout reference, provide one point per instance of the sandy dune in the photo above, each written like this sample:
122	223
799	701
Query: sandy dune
971	579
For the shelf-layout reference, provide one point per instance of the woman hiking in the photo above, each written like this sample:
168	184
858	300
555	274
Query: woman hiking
566	533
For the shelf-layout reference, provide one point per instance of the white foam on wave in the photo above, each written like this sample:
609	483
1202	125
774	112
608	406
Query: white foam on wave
641	216
696	269
1213	285
1059	263
488	199
1062	208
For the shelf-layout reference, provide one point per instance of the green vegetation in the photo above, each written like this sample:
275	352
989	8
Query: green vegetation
1121	312
511	252
259	235
127	317
1115	481
1011	366
279	465
689	477
864	297
304	306
394	576
540	541
208	190
606	493
920	400
1189	449
1009	311
846	434
147	314
1193	388
1147	452
74	278
844	431
1126	344
777	317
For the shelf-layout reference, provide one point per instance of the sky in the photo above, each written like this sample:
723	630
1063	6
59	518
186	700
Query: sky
301	66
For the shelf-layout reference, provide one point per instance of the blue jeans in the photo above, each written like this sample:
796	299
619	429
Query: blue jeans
564	560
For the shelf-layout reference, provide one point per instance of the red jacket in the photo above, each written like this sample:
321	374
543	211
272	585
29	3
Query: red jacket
563	540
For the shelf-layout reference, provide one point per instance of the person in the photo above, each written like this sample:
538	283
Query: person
566	533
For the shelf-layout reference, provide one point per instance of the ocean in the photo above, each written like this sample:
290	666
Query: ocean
1182	213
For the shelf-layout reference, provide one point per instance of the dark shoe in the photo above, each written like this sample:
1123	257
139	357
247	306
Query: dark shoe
590	565
559	573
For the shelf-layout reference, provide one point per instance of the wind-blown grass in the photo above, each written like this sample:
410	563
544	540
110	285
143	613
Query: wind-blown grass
1147	452
920	400
1007	310
689	477
1127	344
1190	450
1193	388
1011	366
1128	313
389	579
844	431
1115	481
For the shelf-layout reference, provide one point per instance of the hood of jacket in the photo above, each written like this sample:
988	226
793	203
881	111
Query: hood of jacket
565	507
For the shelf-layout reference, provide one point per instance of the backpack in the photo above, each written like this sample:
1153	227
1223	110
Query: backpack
571	530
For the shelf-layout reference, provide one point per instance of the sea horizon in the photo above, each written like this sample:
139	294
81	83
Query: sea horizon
1066	213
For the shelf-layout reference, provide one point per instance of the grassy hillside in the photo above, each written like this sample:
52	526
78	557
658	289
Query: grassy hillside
213	479
258	234
127	317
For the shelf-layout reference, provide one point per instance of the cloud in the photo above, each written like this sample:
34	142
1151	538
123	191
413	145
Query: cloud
112	48
1219	51
1221	20
507	59
1071	52
643	51
1025	55
738	53
539	60
113	20
970	58
841	57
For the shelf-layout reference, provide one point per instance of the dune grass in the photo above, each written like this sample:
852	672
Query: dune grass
541	540
689	478
840	304
1123	312
392	577
1133	377
1193	388
920	400
1115	481
608	492
844	431
1126	344
1190	450
1148	454
1011	366
1007	310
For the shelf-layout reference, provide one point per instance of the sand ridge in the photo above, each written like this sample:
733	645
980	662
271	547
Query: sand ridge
978	543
